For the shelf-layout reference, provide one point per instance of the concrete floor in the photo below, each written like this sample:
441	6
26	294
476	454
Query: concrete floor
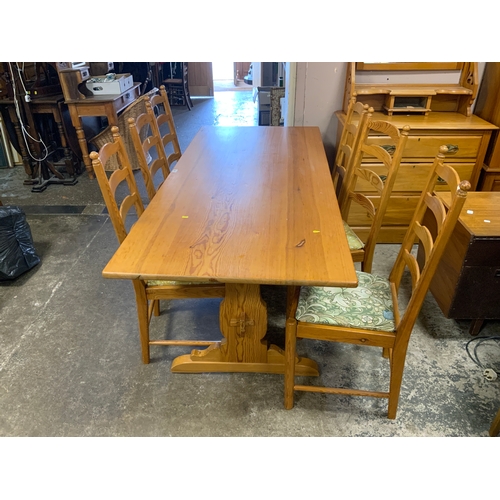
70	360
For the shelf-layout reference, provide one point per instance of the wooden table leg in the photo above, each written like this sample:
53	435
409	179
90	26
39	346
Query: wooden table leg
22	146
82	141
243	322
68	155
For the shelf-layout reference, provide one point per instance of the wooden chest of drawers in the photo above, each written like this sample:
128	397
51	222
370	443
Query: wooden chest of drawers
467	138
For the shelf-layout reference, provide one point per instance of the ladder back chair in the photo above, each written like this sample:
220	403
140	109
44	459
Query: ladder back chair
356	118
177	87
369	315
147	293
166	125
149	150
361	177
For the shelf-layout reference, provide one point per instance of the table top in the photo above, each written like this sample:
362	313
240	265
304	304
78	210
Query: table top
480	213
243	205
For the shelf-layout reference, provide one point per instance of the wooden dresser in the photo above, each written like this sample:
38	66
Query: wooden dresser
467	281
437	115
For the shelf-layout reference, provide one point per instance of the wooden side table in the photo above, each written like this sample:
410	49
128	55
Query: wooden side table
467	282
48	174
102	105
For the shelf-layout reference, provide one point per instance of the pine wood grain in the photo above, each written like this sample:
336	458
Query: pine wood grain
245	205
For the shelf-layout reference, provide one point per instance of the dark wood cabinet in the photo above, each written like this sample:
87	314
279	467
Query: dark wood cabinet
467	282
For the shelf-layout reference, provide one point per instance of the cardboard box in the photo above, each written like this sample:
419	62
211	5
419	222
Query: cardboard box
120	84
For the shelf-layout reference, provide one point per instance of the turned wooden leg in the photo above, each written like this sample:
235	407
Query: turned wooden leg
22	146
82	141
68	159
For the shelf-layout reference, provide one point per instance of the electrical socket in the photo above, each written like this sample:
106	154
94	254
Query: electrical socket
490	374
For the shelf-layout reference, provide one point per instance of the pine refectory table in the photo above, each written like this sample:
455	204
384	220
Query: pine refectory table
244	206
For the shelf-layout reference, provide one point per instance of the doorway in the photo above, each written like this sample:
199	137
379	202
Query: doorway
229	76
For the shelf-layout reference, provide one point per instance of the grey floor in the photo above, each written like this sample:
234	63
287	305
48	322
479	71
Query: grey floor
70	360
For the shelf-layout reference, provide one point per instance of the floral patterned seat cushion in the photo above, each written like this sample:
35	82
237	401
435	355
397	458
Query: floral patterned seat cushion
367	306
354	242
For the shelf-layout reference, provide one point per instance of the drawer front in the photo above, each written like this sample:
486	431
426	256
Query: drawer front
412	176
460	146
400	210
125	99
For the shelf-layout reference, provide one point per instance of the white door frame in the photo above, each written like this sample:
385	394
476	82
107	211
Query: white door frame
291	78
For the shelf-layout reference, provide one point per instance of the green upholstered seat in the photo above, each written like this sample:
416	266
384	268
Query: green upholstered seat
368	306
354	242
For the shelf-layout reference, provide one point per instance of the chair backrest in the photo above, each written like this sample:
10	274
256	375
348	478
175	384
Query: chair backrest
149	150
121	179
131	111
380	183
431	227
165	120
357	116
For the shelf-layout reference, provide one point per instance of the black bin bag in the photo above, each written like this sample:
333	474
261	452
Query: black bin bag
17	253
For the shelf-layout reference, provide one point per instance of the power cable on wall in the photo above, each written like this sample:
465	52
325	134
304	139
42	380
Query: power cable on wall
27	98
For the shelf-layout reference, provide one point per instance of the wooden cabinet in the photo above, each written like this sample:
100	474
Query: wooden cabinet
467	281
466	136
488	107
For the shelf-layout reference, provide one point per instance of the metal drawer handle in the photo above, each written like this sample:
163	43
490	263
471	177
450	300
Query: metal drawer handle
390	148
383	178
452	149
440	180
127	95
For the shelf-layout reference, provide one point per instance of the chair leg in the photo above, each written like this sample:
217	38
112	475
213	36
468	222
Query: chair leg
290	354
187	98
397	368
142	314
156	308
495	425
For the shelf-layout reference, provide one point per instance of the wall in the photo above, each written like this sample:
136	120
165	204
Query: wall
319	91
